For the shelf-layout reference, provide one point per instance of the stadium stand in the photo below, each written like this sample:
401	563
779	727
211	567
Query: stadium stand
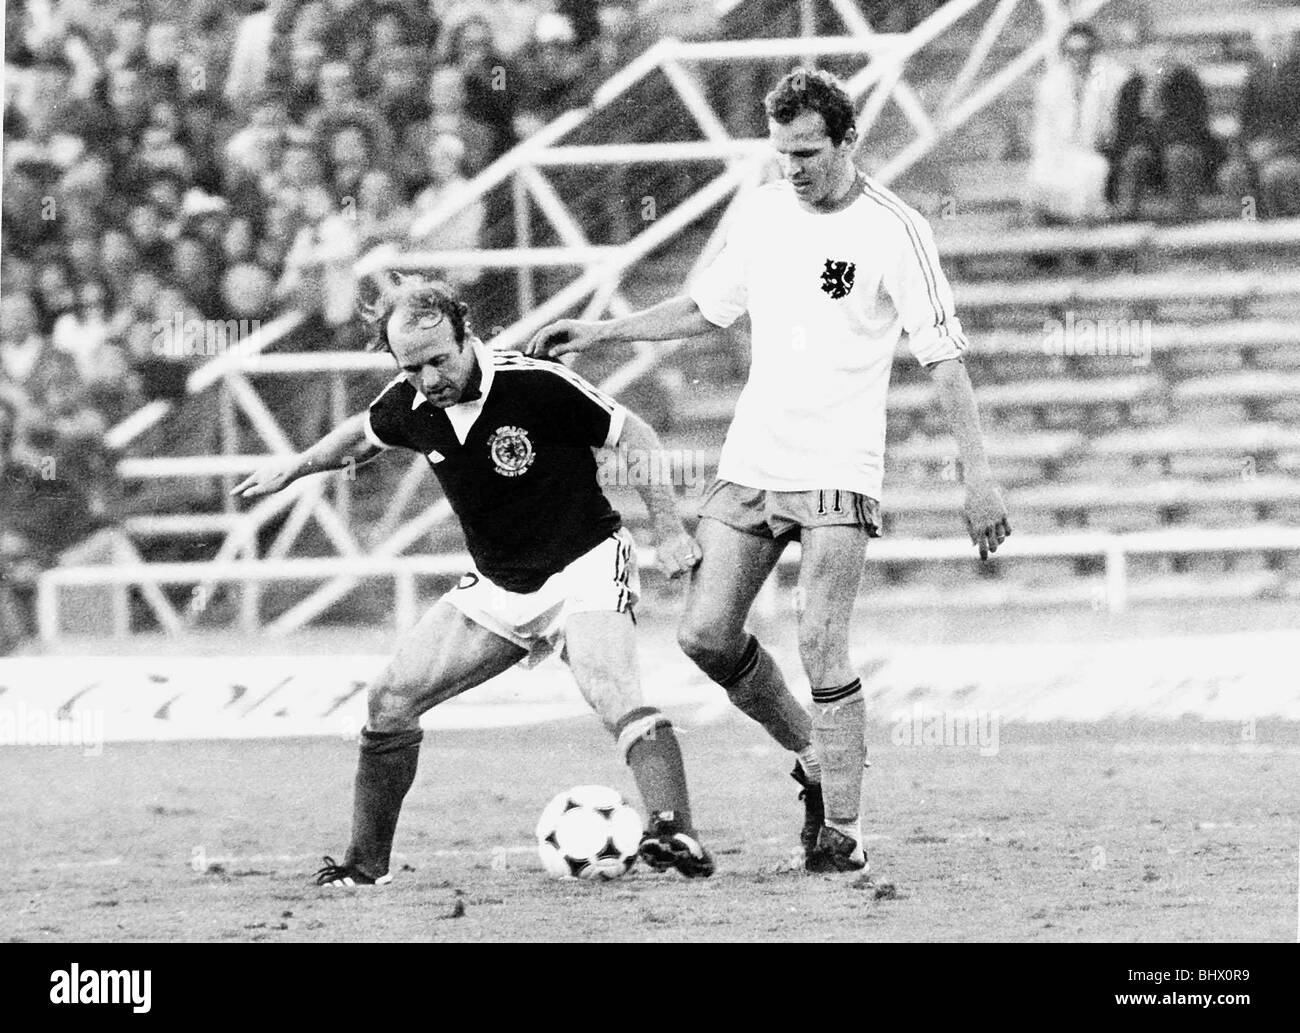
1172	415
204	167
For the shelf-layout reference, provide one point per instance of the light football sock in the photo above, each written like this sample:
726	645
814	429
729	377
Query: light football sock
839	732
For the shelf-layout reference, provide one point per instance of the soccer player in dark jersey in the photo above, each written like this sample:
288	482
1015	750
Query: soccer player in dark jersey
510	440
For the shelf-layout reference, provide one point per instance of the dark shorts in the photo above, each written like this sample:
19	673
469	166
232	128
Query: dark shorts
781	514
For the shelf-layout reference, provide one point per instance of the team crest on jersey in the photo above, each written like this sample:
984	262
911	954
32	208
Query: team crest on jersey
837	278
512	451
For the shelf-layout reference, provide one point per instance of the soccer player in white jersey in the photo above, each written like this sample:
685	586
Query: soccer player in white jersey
510	440
832	268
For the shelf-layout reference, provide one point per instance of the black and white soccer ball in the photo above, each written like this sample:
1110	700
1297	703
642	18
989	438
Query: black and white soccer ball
588	832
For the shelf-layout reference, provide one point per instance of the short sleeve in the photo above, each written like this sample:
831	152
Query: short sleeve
921	293
385	419
720	291
591	416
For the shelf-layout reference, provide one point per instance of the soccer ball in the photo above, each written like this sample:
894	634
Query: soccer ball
588	832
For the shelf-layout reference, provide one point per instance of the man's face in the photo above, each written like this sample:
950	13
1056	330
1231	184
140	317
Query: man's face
808	158
93	295
83	253
335	84
617	20
163	115
144	291
444	159
555	56
190	261
117	253
128	33
349	148
52	281
300	167
475	41
237	242
387	33
17	318
447	91
377	194
270	117
126	93
165	194
22	194
144	224
48	95
80	216
425	348
162	43
19	276
399	80
306	62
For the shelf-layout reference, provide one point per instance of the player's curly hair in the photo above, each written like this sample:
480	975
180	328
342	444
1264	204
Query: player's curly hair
420	296
812	89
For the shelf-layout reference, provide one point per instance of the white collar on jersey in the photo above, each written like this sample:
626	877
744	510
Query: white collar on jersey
463	414
487	373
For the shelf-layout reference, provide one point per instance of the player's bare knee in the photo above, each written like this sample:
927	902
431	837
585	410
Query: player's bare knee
611	697
712	652
392	705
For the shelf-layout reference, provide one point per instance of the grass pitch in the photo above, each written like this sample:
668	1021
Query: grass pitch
1155	832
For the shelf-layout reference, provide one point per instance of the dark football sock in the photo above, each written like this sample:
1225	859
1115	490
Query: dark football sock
839	727
385	771
649	745
758	689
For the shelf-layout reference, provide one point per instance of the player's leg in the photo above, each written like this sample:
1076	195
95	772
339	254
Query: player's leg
829	575
600	647
442	656
712	633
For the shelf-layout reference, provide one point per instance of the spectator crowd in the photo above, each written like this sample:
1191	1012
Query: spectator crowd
1110	141
224	161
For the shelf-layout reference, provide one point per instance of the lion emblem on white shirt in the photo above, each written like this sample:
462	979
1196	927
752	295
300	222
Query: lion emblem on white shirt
837	278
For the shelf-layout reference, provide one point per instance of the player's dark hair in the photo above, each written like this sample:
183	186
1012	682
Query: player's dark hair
420	297
816	90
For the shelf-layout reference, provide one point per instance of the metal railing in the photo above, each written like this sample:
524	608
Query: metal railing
1114	550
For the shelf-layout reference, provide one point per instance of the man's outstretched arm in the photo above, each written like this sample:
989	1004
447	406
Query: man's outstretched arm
677	317
345	445
986	515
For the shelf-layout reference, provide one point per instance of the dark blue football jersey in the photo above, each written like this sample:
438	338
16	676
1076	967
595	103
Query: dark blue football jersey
516	464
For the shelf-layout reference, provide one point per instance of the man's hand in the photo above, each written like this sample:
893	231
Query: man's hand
678	554
986	517
269	479
564	336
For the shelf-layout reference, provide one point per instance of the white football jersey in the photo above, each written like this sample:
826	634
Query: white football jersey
828	294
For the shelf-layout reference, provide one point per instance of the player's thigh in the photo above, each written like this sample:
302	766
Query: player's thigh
600	648
830	573
445	654
732	569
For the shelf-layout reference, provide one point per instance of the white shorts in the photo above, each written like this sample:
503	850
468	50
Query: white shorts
605	578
